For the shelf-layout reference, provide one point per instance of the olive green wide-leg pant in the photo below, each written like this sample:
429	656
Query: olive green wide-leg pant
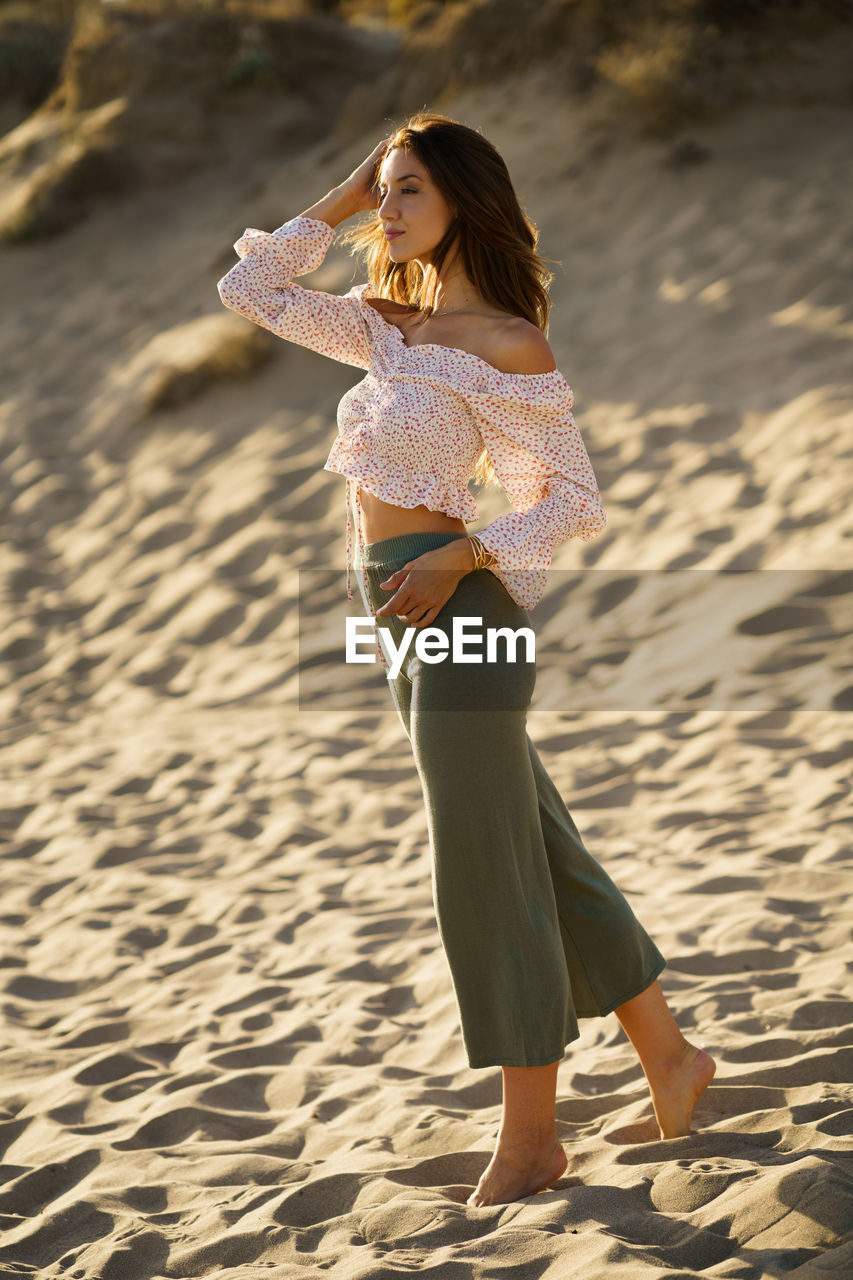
535	932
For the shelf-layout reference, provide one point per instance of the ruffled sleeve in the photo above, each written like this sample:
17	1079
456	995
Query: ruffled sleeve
540	459
260	288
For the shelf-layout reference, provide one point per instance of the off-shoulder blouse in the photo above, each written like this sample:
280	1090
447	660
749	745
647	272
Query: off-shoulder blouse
412	430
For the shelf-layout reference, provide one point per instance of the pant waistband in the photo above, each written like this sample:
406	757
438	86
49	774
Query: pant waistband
405	546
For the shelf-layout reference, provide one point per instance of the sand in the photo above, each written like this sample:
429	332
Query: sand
230	1042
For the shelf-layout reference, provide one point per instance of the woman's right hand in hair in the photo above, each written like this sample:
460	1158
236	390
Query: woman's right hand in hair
360	185
357	192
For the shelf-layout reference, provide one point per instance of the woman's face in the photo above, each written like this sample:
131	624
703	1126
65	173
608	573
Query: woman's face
412	204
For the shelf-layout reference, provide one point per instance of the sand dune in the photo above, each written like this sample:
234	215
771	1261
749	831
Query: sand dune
231	1045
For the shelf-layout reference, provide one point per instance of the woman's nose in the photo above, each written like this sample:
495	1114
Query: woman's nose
386	207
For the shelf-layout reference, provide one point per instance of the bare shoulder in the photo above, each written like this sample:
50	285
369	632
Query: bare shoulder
519	346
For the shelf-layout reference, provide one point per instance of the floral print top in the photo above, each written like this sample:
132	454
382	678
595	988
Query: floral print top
411	431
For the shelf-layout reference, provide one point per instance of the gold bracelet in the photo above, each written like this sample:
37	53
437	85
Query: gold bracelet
483	559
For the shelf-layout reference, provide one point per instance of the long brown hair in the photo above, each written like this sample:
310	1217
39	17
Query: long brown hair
493	235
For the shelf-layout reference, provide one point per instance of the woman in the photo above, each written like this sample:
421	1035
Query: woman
462	381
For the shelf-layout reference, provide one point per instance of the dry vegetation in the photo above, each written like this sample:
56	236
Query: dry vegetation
99	95
668	57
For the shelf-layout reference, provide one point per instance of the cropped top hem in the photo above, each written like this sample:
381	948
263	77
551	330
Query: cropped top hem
401	486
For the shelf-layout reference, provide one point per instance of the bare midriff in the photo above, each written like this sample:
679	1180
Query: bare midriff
382	520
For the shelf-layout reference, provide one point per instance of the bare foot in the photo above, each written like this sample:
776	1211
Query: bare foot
513	1174
676	1091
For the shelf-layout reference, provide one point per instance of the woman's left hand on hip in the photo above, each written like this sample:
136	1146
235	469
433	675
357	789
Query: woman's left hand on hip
424	585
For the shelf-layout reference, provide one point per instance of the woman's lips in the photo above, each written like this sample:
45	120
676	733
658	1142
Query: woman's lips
392	235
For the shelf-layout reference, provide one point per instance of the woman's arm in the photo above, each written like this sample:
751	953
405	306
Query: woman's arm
541	461
336	206
260	286
358	192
